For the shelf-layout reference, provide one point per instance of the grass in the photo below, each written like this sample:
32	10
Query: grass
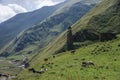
60	41
67	66
7	68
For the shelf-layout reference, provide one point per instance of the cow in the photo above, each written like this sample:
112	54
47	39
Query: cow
32	70
88	63
46	59
73	51
54	56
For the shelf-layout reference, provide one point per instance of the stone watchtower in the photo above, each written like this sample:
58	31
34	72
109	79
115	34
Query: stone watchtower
69	39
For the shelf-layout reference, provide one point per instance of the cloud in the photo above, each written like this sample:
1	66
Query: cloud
17	8
9	8
31	5
41	3
6	13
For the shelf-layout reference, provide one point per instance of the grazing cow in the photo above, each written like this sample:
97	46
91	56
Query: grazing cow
32	70
46	59
0	75
53	56
119	45
43	70
40	72
73	51
89	63
6	76
26	65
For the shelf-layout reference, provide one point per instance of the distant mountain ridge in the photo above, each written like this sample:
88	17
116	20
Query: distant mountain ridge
10	28
41	34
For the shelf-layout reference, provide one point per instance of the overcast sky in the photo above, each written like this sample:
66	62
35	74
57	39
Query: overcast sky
9	8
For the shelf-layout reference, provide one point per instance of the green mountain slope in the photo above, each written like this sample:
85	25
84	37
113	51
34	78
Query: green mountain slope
40	35
107	8
67	65
104	55
8	67
10	28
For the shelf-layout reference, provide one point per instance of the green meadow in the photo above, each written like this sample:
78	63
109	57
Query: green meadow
67	65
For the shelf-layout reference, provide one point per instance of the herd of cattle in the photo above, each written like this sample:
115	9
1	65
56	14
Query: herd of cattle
46	60
98	49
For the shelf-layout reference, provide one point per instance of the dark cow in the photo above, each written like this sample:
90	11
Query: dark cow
43	70
53	56
46	59
0	75
26	65
73	51
32	70
89	63
5	75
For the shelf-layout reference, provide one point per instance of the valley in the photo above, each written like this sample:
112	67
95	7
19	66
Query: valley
78	40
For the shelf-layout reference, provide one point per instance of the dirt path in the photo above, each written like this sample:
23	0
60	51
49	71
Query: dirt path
4	78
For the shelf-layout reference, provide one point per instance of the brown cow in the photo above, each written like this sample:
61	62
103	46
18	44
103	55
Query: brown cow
54	56
32	70
46	59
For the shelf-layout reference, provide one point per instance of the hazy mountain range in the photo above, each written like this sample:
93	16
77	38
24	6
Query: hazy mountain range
64	15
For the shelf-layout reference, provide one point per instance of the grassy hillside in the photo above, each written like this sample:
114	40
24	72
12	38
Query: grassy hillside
41	34
87	23
68	3
6	67
67	66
